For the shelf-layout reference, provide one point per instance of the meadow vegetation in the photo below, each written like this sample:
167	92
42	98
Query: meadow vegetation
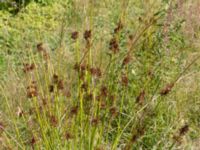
100	74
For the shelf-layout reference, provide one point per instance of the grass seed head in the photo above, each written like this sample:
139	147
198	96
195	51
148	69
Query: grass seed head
19	112
87	34
104	91
33	141
141	97
113	111
167	89
126	60
74	110
28	67
130	37
74	35
119	27
67	93
103	105
32	90
55	78
84	86
53	121
124	80
95	121
51	88
95	72
184	130
68	136
40	47
60	85
114	46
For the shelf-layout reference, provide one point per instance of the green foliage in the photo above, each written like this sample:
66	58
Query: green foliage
130	84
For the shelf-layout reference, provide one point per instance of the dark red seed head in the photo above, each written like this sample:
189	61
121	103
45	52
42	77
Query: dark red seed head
51	88
68	135
55	78
60	84
103	105
95	121
67	93
28	67
53	121
126	60
114	46
87	34
33	141
104	91
119	27
124	80
112	98
74	110
130	37
167	89
184	130
40	47
84	86
77	67
32	91
113	111
141	97
74	35
95	72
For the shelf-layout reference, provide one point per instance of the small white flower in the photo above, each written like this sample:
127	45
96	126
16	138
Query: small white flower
133	72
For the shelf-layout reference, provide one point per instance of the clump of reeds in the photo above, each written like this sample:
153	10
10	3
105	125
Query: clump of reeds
89	108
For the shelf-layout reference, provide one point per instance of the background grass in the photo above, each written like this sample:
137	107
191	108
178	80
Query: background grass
160	55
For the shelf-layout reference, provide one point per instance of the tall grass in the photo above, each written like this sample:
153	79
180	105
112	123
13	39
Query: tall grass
111	79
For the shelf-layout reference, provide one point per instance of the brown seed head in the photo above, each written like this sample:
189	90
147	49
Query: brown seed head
77	67
83	67
112	98
60	85
68	136
130	37
51	88
87	34
33	141
20	112
104	91
126	60
184	130
113	111
114	46
124	80
167	89
28	67
40	47
74	110
55	78
74	35
67	93
53	121
119	27
95	72
141	97
32	90
84	86
103	105
95	121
